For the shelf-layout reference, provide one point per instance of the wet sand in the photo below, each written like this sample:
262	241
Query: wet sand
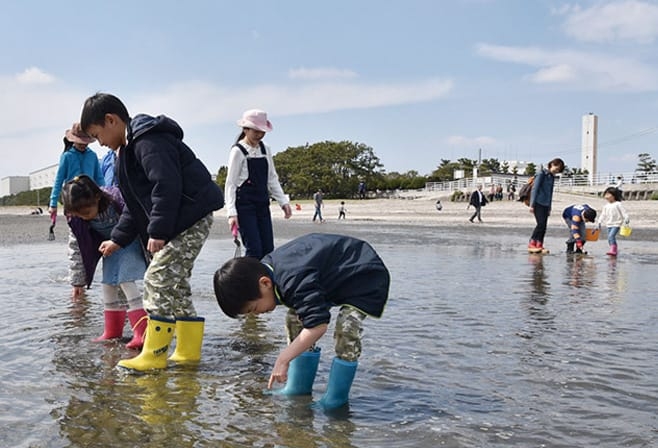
18	226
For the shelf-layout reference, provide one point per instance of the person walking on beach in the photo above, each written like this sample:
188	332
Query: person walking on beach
250	181
92	212
309	275
613	216
575	217
477	200
541	199
170	198
620	183
341	210
319	205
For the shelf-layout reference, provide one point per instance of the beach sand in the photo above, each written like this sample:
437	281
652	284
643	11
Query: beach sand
18	226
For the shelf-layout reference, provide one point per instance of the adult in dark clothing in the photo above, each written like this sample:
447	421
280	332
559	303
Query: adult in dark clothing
477	200
541	199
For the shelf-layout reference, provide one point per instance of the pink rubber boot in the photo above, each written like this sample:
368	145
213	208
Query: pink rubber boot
138	320
114	320
613	250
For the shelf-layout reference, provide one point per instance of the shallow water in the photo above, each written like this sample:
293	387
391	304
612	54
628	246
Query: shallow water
481	345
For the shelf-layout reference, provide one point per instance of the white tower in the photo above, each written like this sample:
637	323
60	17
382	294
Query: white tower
588	152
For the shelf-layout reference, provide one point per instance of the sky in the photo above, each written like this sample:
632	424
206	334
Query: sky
419	81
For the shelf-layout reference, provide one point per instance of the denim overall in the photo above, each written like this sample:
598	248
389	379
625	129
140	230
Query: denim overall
253	205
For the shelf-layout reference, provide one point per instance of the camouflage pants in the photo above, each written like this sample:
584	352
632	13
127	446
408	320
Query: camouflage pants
167	289
347	335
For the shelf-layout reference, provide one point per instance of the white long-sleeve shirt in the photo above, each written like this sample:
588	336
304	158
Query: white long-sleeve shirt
613	215
238	172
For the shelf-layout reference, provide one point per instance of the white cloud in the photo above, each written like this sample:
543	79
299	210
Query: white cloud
578	70
321	73
33	117
556	73
470	142
34	75
204	103
630	20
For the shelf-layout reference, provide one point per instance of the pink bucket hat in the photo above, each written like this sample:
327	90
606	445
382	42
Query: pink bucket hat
255	119
77	135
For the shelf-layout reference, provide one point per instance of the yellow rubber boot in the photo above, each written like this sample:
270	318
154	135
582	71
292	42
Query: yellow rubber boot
159	332
189	337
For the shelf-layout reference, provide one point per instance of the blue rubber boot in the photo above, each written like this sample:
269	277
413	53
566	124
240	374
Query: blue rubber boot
341	377
301	374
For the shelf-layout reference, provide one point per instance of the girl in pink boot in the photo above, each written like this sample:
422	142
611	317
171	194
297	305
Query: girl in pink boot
613	216
92	212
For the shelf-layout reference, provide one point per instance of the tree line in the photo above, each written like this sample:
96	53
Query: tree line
337	168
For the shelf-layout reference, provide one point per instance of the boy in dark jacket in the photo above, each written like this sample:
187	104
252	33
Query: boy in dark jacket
309	275
170	198
575	217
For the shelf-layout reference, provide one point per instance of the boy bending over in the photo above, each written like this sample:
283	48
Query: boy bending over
309	275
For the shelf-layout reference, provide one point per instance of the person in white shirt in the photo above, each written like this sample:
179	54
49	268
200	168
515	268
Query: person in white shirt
613	216
250	181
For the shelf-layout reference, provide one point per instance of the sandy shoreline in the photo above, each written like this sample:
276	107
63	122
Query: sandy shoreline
18	226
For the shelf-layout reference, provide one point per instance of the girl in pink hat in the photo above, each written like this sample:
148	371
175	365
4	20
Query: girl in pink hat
250	181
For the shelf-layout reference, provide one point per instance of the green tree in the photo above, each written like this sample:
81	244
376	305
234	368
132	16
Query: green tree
444	172
410	180
334	167
646	164
490	166
530	169
221	176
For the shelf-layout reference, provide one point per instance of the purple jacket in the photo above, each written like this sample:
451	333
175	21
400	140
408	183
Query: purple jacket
88	240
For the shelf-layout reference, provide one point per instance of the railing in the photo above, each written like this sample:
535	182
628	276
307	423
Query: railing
580	180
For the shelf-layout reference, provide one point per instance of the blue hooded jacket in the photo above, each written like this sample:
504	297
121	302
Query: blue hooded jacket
165	187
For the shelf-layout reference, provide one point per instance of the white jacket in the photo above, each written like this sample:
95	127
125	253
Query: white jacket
613	215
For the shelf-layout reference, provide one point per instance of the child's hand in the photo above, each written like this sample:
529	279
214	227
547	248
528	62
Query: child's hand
78	292
154	245
287	211
108	247
279	373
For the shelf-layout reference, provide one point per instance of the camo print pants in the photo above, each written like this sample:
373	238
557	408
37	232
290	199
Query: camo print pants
167	289
347	335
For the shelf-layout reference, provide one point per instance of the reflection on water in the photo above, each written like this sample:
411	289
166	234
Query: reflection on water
481	344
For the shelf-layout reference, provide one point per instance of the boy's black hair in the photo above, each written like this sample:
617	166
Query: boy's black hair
236	284
589	215
97	106
615	192
82	192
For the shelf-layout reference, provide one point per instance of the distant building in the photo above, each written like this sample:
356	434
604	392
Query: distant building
518	164
45	177
14	184
589	149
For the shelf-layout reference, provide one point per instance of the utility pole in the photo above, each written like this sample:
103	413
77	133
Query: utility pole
476	167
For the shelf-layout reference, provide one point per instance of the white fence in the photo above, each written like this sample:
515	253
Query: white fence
563	181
